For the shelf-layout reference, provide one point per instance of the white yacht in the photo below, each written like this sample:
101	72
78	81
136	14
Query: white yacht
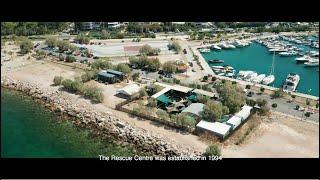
251	76
289	53
312	63
215	47
259	78
204	50
243	74
304	58
291	82
268	80
280	49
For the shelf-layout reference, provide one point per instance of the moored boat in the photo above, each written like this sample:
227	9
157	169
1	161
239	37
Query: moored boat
291	82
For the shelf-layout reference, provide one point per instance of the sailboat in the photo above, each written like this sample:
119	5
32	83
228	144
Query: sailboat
269	79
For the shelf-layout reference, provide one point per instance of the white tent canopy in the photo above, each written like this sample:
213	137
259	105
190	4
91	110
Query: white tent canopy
129	90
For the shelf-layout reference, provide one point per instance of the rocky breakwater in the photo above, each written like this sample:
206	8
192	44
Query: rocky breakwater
104	125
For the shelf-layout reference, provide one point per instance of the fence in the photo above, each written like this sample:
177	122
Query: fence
152	118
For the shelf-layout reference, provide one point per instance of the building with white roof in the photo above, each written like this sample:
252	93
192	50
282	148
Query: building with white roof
244	113
219	129
129	90
234	122
194	108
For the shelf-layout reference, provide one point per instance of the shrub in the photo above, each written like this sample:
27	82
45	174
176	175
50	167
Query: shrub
250	102
76	85
261	102
248	86
135	76
175	46
307	102
101	64
198	86
70	58
67	84
169	67
88	75
293	96
142	92
234	82
213	150
223	81
202	99
206	87
274	105
63	45
82	38
307	114
213	78
57	80
264	110
122	67
92	92
176	81
205	78
278	93
152	102
51	42
25	46
262	89
162	114
61	57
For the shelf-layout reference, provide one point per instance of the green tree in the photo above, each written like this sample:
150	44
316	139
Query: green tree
232	96
213	150
57	80
169	67
148	50
213	111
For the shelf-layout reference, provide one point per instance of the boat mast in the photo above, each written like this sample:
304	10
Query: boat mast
272	67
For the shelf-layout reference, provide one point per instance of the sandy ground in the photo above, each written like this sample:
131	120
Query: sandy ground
281	138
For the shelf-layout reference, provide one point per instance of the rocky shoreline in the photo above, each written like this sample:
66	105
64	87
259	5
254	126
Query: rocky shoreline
104	125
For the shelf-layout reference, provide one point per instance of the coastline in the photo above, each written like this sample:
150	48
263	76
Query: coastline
105	125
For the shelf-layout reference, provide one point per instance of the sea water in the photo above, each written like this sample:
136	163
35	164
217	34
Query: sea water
28	130
257	58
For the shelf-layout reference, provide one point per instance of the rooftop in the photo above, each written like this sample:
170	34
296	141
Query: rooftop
216	127
194	108
129	89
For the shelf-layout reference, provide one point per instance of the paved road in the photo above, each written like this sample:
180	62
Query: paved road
285	107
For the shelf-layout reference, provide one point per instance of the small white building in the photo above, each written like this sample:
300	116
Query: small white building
244	113
234	122
130	90
219	129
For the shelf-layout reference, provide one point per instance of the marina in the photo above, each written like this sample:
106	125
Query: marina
257	59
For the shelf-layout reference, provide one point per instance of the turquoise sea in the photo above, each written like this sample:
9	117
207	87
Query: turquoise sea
256	57
28	130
